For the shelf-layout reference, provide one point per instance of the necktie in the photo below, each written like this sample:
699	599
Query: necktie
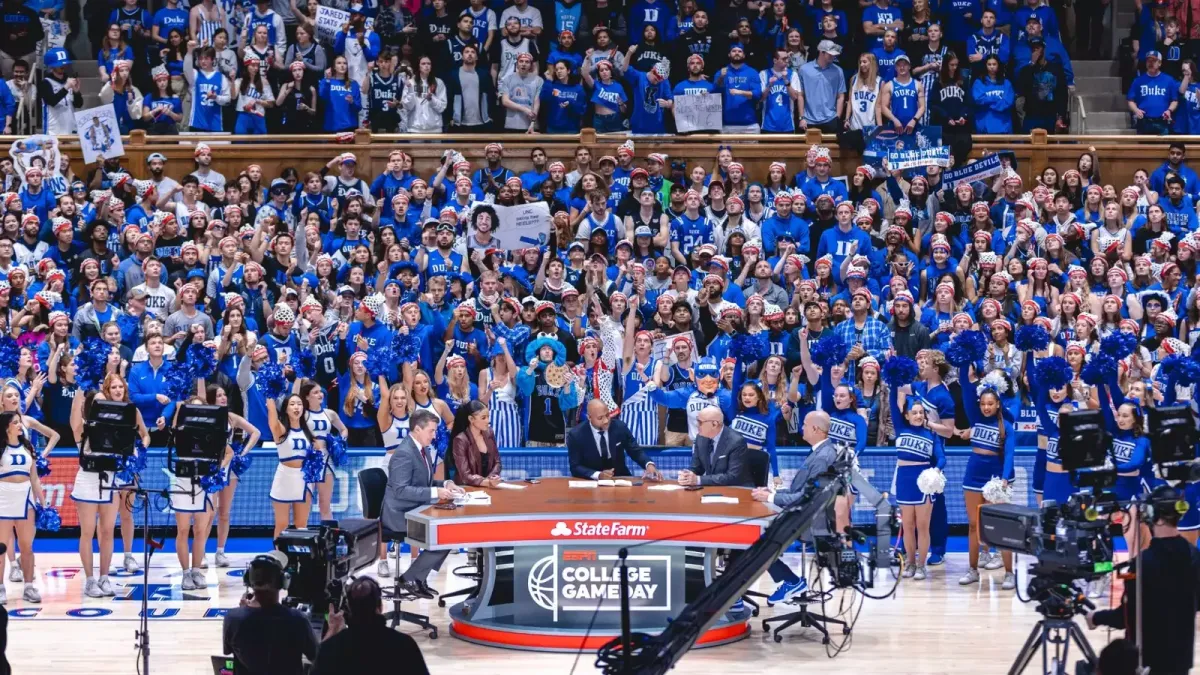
604	446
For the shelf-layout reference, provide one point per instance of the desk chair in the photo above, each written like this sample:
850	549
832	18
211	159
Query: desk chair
471	570
805	618
372	484
760	463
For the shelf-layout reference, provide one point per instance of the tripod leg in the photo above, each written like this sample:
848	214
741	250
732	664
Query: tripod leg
1081	641
1028	651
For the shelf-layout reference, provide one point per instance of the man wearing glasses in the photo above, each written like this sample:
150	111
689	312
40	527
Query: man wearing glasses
718	455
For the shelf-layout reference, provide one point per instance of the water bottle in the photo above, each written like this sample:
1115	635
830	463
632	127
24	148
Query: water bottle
342	548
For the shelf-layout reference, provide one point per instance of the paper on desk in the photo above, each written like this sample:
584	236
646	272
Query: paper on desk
717	499
609	482
666	487
476	498
582	484
511	486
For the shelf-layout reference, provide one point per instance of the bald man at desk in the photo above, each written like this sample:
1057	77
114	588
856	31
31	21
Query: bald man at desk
718	455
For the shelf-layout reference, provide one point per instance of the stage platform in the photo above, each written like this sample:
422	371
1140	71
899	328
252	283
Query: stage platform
931	627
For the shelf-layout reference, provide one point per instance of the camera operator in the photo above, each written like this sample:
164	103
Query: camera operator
360	640
1170	569
265	637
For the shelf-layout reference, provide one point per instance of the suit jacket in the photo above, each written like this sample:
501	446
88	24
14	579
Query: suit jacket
585	456
472	466
823	455
409	479
726	466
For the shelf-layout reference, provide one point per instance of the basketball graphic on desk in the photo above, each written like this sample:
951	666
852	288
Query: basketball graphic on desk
543	586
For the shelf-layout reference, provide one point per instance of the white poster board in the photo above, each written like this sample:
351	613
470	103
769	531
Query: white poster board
99	134
697	112
522	226
330	20
661	350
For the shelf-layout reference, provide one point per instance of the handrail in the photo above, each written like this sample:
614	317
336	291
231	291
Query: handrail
1082	114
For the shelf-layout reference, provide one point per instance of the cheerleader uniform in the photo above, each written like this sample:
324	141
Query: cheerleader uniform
319	425
188	497
504	414
759	430
94	487
985	436
1055	485
845	426
395	433
288	486
15	498
1130	452
913	444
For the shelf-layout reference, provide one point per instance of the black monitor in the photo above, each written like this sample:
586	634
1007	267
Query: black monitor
111	427
1172	434
1083	440
201	432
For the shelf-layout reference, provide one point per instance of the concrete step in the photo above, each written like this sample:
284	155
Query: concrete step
90	101
1111	132
85	67
1097	85
1094	69
90	85
1126	18
1106	102
1107	120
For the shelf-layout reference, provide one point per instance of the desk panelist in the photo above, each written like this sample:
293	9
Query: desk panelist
718	455
597	447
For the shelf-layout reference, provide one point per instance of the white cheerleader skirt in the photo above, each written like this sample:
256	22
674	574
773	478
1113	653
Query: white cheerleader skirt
288	485
15	500
88	486
188	497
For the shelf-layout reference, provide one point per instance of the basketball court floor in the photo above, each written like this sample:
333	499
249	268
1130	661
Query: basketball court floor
935	626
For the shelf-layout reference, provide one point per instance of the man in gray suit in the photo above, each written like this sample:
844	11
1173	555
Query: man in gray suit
411	484
719	454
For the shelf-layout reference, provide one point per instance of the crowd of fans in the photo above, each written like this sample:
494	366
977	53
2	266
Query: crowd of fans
478	66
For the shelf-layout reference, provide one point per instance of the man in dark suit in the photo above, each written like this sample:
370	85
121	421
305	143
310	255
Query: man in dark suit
597	448
718	455
411	484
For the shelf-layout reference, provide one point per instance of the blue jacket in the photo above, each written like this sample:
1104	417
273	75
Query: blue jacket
145	384
774	227
1043	12
487	94
993	106
1158	179
997	43
340	114
739	110
1055	52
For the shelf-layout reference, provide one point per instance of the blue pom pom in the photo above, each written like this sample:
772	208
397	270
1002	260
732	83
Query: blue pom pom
10	355
271	381
178	382
1031	338
201	360
1099	369
442	440
215	480
303	363
314	466
338	452
899	371
1053	372
750	348
406	348
43	467
1170	365
967	347
240	464
828	352
48	519
90	363
1119	344
379	361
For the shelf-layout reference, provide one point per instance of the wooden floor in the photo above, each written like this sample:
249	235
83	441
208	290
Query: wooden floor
934	626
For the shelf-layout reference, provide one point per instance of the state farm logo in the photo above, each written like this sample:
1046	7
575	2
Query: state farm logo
594	529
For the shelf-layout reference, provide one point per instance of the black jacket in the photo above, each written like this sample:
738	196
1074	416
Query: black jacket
1044	87
585	457
362	649
910	339
1171	597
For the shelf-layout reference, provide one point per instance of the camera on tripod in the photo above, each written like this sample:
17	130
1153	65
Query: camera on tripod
321	559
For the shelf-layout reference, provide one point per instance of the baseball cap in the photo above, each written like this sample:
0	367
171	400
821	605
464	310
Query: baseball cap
830	46
156	155
138	293
1154	55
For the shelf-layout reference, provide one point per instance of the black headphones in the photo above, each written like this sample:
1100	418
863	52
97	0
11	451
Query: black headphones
1163	500
267	561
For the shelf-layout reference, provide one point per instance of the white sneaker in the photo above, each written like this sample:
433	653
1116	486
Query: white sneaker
15	573
204	562
106	586
131	564
919	574
1098	587
200	578
971	577
995	561
222	561
30	594
1010	581
90	589
910	571
383	570
188	583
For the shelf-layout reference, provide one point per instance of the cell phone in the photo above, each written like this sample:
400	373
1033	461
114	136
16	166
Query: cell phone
637	483
448	506
694	488
532	481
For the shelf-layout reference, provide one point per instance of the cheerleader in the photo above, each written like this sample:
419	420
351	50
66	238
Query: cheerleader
216	395
20	490
917	449
360	400
291	495
93	491
193	512
319	422
499	386
11	400
638	412
1050	480
755	416
993	443
1131	449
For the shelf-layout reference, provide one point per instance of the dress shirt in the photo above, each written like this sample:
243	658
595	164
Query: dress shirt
601	448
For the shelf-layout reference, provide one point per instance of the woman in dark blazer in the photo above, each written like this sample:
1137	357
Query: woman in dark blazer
476	458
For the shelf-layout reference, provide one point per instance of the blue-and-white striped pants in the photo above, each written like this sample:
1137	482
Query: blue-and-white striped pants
505	418
642	419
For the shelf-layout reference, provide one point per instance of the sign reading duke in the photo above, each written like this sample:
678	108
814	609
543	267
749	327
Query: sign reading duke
564	585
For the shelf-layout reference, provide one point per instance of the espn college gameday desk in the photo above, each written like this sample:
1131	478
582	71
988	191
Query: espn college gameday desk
549	558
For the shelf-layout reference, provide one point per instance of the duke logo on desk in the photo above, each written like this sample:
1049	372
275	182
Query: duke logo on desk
569	582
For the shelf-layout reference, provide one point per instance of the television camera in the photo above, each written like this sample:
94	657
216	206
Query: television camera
321	560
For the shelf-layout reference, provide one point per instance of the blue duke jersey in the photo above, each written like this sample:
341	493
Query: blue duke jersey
904	100
441	263
777	116
329	354
691	232
1050	434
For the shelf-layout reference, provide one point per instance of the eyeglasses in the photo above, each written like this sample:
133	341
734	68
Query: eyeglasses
716	422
